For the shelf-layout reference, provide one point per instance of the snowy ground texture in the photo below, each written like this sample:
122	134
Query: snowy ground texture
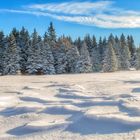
102	106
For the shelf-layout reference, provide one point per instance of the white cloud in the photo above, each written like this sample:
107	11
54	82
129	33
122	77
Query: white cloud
101	14
74	8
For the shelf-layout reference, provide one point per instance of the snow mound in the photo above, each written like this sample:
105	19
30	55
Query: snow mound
37	126
96	103
18	111
60	110
32	99
130	109
6	101
72	95
99	124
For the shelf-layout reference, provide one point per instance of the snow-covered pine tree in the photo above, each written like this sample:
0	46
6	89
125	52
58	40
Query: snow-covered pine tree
131	45
11	59
117	48
34	62
95	56
132	49
51	33
78	43
57	49
110	60
24	44
83	64
124	53
16	33
72	57
101	48
111	39
137	61
94	42
2	49
47	57
88	42
72	54
60	57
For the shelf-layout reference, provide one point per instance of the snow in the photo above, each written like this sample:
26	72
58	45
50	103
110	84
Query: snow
99	106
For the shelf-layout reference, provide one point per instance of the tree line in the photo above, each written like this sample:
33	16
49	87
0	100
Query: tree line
23	53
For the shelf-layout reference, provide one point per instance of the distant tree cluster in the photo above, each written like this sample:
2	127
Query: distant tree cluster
32	54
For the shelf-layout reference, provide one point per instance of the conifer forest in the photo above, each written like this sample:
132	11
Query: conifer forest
22	53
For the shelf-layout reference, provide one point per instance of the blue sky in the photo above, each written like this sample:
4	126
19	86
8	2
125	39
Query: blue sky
74	18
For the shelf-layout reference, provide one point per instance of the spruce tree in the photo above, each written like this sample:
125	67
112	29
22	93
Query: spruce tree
111	39
2	49
117	48
110	60
95	56
137	61
78	43
101	47
60	57
72	55
125	54
51	33
16	33
83	64
132	49
88	42
24	44
131	45
11	59
34	62
47	57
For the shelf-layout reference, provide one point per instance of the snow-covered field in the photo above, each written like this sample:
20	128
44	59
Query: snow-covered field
104	106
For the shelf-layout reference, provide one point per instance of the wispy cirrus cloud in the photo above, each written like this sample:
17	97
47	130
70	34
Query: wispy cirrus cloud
101	14
73	8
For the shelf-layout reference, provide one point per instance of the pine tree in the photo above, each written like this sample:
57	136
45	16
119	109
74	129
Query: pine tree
88	42
34	62
137	61
101	47
46	38
110	60
51	33
95	56
47	58
131	45
125	54
132	49
83	64
111	39
24	44
72	55
78	43
117	49
60	57
16	33
94	42
11	59
2	49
